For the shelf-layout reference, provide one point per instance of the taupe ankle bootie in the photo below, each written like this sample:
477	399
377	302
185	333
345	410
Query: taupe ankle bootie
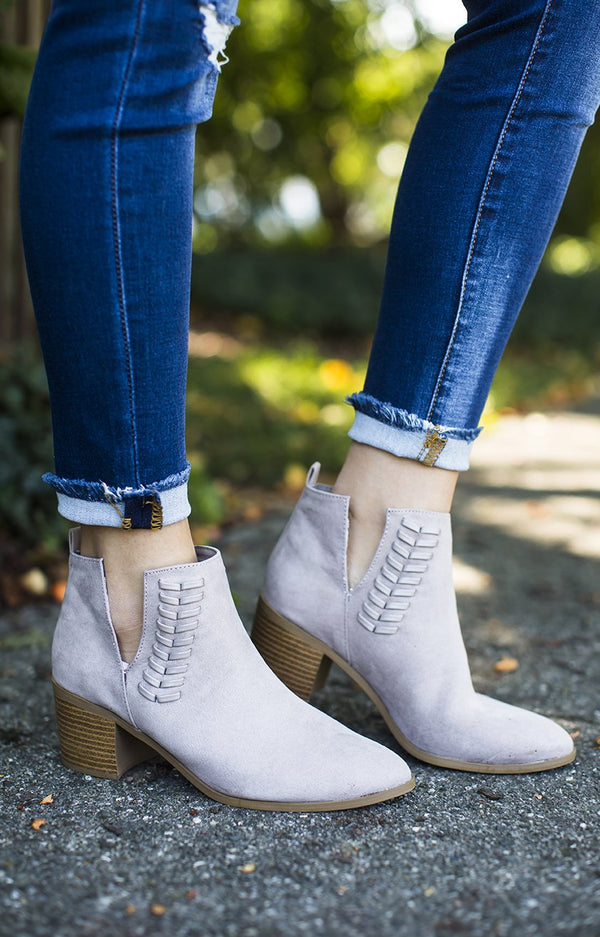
200	695
396	633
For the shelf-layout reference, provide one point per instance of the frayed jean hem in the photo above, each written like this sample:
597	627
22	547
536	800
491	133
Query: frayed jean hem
424	443
145	507
394	416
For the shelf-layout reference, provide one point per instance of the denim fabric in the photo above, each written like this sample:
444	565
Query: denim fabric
106	202
485	177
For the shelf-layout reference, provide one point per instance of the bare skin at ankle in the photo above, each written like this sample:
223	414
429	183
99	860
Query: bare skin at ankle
376	480
127	554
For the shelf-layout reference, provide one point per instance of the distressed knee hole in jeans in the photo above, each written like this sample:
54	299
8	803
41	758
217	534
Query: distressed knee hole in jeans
217	29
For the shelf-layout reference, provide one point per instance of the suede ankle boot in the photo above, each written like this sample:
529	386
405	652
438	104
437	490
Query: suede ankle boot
199	694
396	634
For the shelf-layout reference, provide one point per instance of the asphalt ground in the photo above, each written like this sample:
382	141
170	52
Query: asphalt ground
463	854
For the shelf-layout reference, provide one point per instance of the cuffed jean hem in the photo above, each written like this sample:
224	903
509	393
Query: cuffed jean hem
144	508
173	506
409	436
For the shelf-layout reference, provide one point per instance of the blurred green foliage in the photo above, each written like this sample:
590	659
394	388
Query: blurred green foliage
293	291
263	411
27	505
16	68
312	88
335	293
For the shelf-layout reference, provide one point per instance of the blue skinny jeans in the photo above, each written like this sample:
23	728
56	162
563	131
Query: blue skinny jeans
106	202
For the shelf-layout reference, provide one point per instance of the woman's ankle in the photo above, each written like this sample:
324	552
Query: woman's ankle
127	554
373	477
376	480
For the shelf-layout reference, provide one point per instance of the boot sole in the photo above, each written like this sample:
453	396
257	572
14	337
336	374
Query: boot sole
302	662
96	741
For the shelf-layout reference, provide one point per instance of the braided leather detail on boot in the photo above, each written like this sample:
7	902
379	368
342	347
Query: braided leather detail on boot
397	581
177	621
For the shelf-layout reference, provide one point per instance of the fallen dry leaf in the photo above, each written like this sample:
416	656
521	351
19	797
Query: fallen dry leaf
190	894
429	891
536	508
37	823
575	734
130	909
506	665
57	590
157	909
249	867
539	796
48	799
11	590
597	742
253	512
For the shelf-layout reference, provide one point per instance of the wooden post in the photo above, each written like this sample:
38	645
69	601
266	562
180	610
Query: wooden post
21	23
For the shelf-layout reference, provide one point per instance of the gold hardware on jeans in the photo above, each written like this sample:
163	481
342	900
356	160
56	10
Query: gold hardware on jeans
432	447
156	518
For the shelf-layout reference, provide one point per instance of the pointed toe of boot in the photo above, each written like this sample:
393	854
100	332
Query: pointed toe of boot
323	765
556	744
481	734
358	766
378	769
527	741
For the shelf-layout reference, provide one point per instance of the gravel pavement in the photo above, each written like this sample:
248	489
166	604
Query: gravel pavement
461	855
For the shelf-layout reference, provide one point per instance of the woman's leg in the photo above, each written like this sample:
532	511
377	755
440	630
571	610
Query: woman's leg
106	193
106	197
486	173
365	570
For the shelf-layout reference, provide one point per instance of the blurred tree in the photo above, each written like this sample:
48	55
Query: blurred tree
580	215
312	120
16	68
19	31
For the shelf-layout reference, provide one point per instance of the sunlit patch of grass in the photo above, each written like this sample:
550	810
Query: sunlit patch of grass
259	418
300	375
